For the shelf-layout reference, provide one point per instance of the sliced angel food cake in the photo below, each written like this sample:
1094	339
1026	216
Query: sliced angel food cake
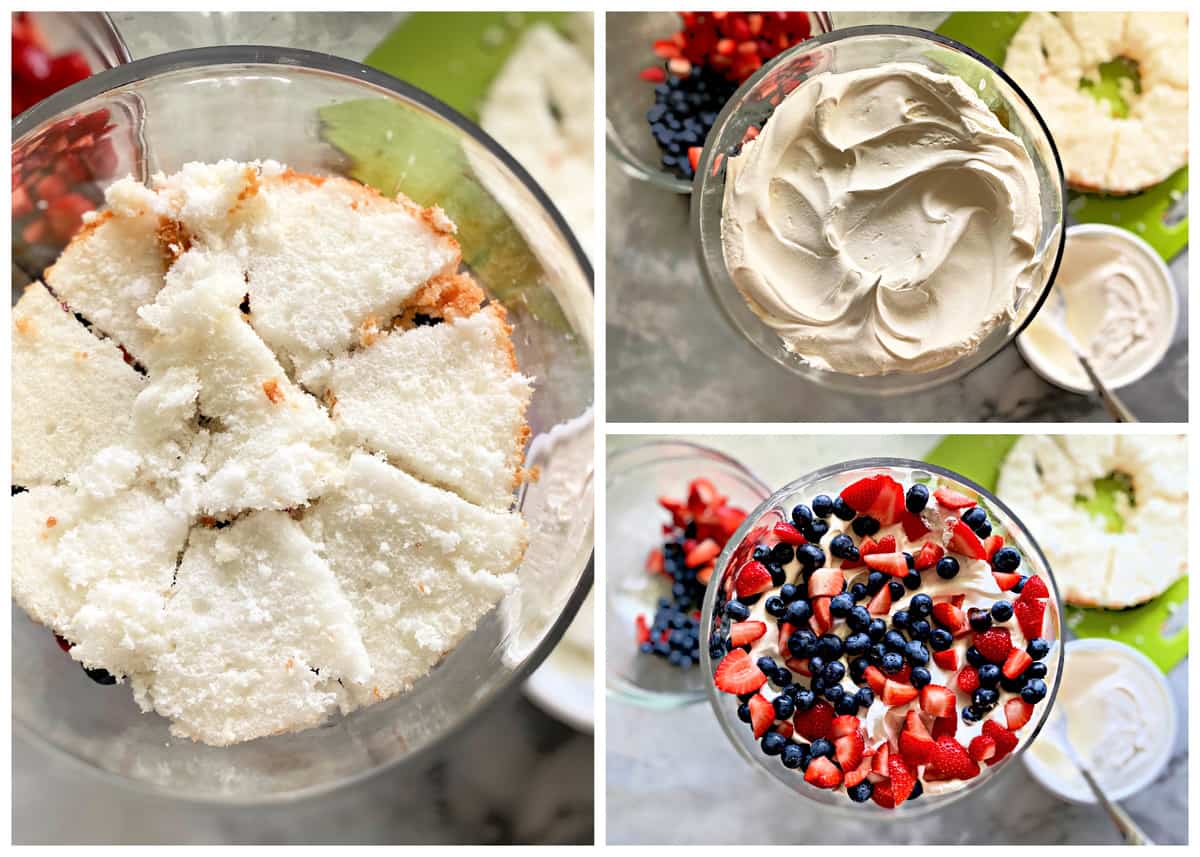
241	480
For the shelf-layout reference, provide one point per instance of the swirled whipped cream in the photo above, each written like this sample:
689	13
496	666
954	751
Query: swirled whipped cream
883	221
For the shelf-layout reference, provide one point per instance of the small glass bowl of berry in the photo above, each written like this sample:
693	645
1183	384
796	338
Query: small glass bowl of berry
672	508
884	636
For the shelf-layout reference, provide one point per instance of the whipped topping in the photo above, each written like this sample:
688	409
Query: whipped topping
1115	721
1118	309
883	221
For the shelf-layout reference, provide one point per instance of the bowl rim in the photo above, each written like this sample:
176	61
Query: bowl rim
719	700
130	73
1041	772
905	382
1045	369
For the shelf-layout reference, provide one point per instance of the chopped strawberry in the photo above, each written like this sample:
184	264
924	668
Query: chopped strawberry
876	680
1031	617
849	750
729	519
914	526
854	776
981	748
745	633
895	693
880	757
762	714
868	546
703	575
903	778
653	74
702	553
786	629
693	154
643	629
1017	662
815	723
737	673
951	618
951	761
928	556
881	602
1017	712
798	665
992	544
916	744
953	500
947	660
937	700
964	542
784	728
861	494
894	564
702	494
752	579
1006	740
677	508
823	773
904	676
944	727
827	582
889	504
785	532
1006	581
654	561
822	617
968	680
844	725
994	644
1034	587
885	545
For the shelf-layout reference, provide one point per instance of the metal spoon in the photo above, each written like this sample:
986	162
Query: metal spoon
1056	313
1056	730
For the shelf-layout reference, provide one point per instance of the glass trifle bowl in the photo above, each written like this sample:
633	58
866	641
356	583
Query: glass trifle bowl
330	116
961	522
856	49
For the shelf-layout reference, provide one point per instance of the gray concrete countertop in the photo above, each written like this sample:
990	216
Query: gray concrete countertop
673	356
673	777
462	794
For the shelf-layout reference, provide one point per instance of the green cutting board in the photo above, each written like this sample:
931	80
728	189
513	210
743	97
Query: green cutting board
1147	628
1143	214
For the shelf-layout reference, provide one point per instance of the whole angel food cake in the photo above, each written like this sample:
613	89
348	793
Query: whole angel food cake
266	438
887	643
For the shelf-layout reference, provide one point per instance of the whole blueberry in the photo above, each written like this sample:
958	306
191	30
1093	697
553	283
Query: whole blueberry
984	699
762	553
782	677
811	557
920	629
912	580
862	792
848	704
842	510
900	620
834	672
916	653
1034	691
1038	648
876	581
893	662
858	669
920	605
805	699
746	697
877	629
984	530
785	706
798	612
778	575
789	592
822	505
743	712
821	747
794	755
894	641
940	639
859	618
830	646
896	588
857	644
919	677
783	553
801	515
737	611
876	652
775	606
865	526
971	714
1036	670
773	743
1002	611
767	665
840	605
864	697
916	498
816	664
974	657
802	643
947	568
674	659
974	517
989	675
858	591
917	790
979	618
833	692
1006	560
815	531
909	559
1014	685
842	546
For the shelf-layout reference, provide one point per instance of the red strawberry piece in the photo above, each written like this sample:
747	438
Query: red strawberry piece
35	231
703	575
666	48
894	564
848	749
677	508
937	700
745	633
854	776
752	579
65	215
798	665
823	773
885	545
876	680
1017	712
951	761
968	680
1031	617
992	544
702	494
881	602
861	494
889	503
1006	581
951	618
822	617
729	519
914	526
895	693
653	74
643	629
50	187
981	748
762	714
944	727
815	723
964	542
952	499
947	660
784	728
786	629
693	155
882	795
928	556
1006	740
879	759
903	778
916	744
654	561
994	644
1017	662
868	546
702	554
904	676
63	643
737	673
843	725
826	582
785	532
1034	587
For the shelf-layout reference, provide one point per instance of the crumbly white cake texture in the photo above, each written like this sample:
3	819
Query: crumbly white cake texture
254	489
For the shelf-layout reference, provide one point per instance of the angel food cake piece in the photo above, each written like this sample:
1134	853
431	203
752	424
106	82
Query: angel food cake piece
204	507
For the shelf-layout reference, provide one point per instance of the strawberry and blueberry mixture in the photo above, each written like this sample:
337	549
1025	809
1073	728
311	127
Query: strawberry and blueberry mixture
702	65
37	73
700	526
884	642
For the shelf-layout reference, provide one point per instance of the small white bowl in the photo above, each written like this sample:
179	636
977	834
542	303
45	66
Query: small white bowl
1052	371
1166	730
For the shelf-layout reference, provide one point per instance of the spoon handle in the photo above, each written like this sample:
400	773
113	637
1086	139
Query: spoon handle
1133	834
1115	407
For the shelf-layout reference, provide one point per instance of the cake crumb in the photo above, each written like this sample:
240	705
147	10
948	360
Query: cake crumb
51	521
271	388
